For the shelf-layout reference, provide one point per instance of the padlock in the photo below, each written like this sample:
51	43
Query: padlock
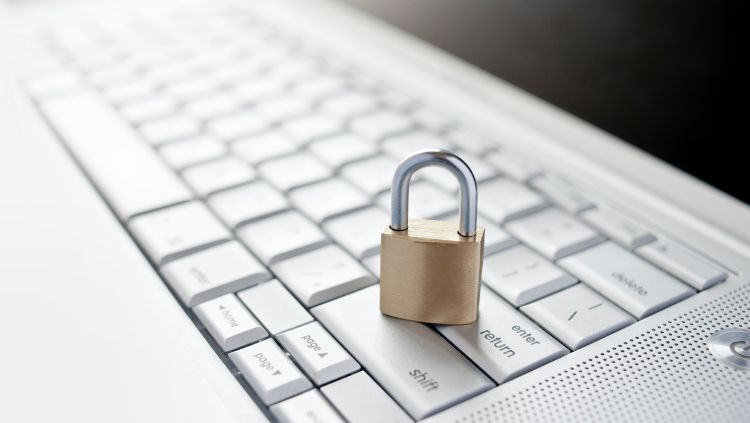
430	270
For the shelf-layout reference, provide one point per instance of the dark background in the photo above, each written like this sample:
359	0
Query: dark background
665	76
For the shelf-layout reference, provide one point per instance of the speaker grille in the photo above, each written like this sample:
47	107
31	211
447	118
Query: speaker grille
664	374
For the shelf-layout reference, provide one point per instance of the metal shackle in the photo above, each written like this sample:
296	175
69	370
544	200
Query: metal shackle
467	225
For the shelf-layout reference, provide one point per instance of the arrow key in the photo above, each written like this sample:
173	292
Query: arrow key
269	371
229	322
320	356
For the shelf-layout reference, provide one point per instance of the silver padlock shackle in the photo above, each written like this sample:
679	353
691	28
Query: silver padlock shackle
467	224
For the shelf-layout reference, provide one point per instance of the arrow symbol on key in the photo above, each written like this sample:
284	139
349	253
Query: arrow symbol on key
221	307
321	355
277	372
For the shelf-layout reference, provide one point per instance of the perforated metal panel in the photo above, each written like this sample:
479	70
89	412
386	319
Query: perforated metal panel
629	382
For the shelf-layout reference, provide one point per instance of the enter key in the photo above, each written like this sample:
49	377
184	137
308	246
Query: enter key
503	342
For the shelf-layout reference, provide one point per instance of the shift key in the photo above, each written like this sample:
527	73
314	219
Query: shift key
417	367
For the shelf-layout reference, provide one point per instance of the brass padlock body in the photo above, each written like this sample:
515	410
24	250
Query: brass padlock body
429	273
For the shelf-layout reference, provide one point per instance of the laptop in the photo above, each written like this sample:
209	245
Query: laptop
193	194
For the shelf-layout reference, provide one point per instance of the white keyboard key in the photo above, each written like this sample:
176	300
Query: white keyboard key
269	372
522	276
504	199
187	152
258	90
309	407
275	307
683	263
629	281
191	88
401	146
281	236
311	127
372	176
503	342
109	76
416	366
130	91
127	171
341	149
373	265
57	83
295	70
446	180
562	194
213	272
431	119
470	141
234	126
425	201
322	275
348	105
295	170
554	233
379	125
319	87
229	322
512	166
577	316
495	238
212	107
148	109
282	108
246	203
395	99
624	231
359	232
323	200
177	231
169	129
319	355
360	400
268	145
207	178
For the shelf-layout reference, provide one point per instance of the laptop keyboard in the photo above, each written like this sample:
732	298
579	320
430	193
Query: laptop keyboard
253	170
